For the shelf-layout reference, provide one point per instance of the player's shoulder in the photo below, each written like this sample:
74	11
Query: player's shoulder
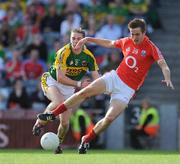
125	40
149	42
87	51
63	49
151	46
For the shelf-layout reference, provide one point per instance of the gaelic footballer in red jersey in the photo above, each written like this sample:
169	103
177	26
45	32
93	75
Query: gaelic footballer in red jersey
139	54
137	61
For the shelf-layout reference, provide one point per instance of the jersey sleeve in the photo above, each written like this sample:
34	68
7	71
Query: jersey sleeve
118	43
121	42
59	60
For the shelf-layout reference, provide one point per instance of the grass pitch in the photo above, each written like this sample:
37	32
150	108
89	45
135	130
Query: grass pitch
9	156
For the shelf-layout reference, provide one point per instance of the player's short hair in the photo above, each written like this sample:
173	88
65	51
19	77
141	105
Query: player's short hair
79	30
137	22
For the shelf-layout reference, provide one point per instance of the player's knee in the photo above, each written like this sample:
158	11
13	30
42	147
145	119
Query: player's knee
86	93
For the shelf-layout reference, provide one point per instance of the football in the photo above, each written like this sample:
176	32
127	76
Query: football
49	141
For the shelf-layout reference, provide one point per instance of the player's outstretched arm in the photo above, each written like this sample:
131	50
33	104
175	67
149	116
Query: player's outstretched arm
101	42
166	72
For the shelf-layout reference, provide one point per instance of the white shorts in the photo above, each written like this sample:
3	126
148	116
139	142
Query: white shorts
117	88
47	81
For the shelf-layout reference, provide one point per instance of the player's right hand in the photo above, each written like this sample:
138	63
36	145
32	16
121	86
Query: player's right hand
168	83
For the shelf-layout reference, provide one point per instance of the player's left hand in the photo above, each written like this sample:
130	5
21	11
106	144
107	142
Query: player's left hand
168	83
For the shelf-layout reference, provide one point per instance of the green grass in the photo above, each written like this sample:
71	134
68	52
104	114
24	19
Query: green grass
9	156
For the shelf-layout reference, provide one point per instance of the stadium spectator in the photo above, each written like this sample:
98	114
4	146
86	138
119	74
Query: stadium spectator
35	12
39	101
12	18
64	77
7	35
50	25
16	6
32	67
13	67
52	20
3	13
38	44
138	7
72	6
72	11
139	54
81	124
72	21
18	97
109	30
148	125
25	33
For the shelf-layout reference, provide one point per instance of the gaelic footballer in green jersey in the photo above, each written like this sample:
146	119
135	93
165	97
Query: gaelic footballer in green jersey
63	77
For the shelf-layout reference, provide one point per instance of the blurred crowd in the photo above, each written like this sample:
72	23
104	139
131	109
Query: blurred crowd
31	31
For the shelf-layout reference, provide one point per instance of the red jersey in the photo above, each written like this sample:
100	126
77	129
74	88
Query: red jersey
137	60
16	72
33	70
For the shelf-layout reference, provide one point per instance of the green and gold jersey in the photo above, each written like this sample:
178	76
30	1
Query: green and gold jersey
75	66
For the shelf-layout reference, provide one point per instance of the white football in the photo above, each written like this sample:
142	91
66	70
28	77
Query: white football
49	141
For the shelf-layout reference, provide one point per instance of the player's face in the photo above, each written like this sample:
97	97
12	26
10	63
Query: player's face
75	38
137	35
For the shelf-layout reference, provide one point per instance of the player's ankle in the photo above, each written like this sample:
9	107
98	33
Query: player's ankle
84	139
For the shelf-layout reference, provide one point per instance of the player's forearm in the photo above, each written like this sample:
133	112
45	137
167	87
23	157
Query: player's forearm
63	79
165	69
166	72
101	42
67	81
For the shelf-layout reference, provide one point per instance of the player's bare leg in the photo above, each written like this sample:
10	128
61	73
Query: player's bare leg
115	109
63	129
95	88
55	97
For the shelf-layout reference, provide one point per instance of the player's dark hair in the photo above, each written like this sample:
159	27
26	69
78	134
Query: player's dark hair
137	22
79	30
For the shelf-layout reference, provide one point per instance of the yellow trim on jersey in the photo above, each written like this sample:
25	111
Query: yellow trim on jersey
61	57
44	80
